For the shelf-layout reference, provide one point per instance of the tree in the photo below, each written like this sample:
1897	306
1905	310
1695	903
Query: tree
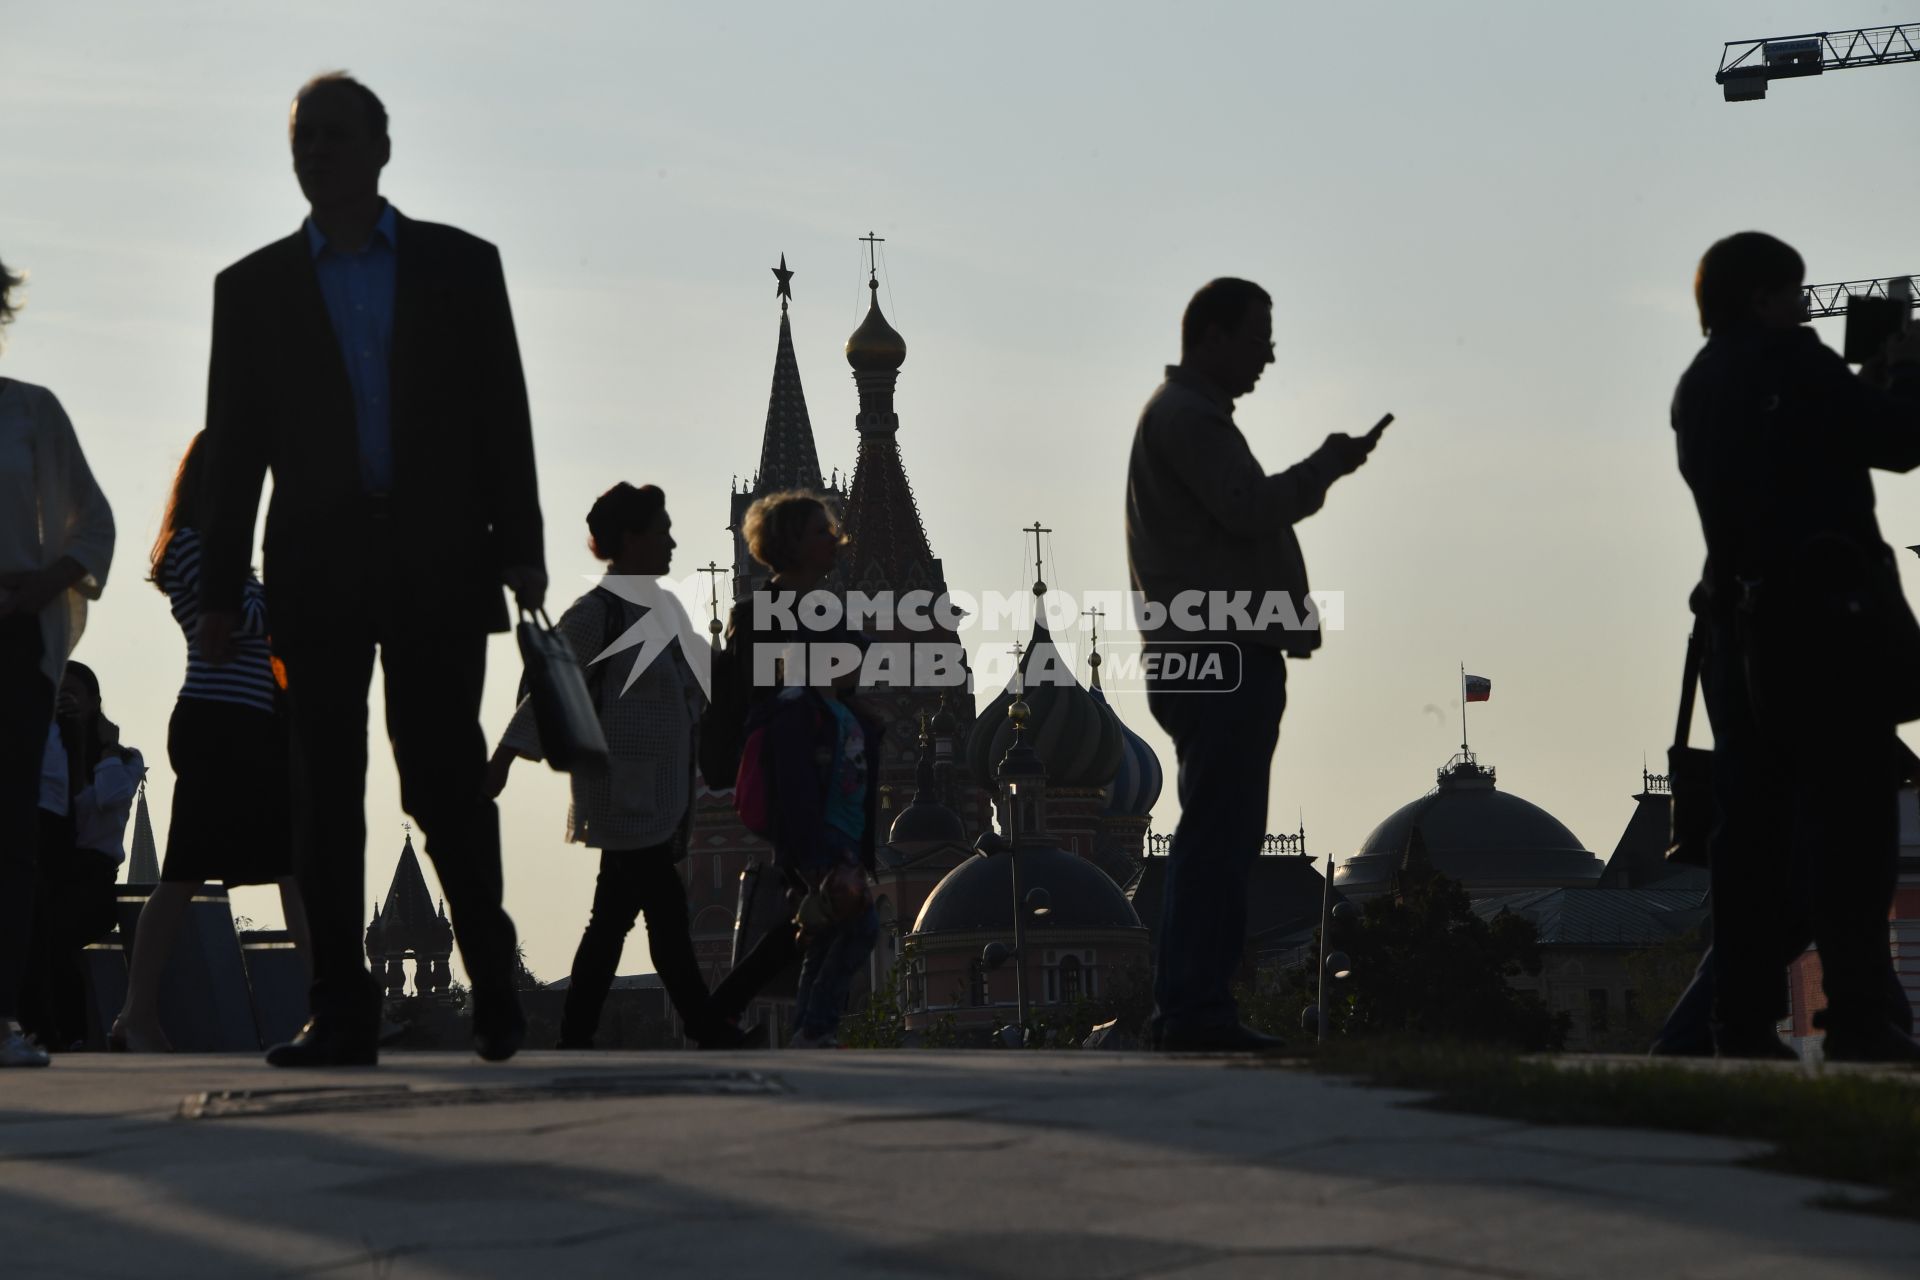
1424	964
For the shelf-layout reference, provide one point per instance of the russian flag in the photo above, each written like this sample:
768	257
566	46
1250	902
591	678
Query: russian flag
1478	688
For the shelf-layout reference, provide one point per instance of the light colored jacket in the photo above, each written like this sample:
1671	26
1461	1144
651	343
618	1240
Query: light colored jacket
644	797
70	516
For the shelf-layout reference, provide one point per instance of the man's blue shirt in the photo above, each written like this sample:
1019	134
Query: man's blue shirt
358	288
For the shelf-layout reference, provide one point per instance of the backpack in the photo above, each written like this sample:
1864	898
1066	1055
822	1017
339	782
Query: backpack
723	725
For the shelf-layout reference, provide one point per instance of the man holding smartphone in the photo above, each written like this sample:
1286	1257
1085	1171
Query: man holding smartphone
1207	523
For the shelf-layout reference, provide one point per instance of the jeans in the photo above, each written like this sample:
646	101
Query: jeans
632	882
26	708
832	957
1224	745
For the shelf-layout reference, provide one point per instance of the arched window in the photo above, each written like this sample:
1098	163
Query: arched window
977	993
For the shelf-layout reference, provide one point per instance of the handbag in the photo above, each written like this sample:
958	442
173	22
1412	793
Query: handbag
563	710
1689	775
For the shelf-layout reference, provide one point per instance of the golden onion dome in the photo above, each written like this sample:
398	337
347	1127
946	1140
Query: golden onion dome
875	346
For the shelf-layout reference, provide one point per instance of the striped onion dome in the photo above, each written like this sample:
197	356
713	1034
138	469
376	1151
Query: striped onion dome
1136	787
1077	736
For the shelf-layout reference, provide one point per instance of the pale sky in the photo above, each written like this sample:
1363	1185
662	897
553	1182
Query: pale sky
1483	217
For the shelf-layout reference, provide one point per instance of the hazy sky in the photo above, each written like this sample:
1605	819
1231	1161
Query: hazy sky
1483	217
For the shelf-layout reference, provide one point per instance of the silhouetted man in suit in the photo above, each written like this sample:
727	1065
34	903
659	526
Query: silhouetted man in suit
369	361
1206	521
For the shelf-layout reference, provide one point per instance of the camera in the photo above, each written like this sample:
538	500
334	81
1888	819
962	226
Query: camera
1872	320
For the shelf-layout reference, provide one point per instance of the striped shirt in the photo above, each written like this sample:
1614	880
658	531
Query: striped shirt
248	678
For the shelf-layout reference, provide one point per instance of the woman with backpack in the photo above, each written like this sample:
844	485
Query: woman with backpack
638	809
807	781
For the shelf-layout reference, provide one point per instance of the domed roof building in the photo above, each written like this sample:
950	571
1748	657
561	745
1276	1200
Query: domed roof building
1082	932
1076	733
1120	847
1488	840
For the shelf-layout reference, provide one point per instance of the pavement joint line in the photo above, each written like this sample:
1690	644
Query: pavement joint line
297	1100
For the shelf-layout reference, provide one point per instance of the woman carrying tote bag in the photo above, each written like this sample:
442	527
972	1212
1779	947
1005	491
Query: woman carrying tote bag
637	807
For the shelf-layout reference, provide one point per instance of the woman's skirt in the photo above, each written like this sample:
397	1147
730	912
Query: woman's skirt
232	816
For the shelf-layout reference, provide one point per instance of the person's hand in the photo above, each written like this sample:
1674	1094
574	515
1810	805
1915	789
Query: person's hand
1344	453
497	767
215	636
1903	347
109	737
528	582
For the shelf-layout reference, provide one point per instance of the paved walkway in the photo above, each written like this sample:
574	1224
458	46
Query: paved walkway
1029	1165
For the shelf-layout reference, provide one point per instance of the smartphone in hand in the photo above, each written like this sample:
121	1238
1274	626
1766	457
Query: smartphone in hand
1373	436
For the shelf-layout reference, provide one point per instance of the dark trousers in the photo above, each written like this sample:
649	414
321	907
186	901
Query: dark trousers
433	684
1805	839
26	708
775	952
832	957
73	905
632	882
1224	743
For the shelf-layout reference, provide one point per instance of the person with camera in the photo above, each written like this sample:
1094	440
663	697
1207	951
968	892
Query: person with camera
1206	521
1811	655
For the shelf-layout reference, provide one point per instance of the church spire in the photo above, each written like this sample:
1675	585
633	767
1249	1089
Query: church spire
788	459
887	543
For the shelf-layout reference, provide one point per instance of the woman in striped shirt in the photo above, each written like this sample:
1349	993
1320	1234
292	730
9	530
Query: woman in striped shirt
227	744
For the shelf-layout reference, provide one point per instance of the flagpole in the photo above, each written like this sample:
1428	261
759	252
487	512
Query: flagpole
1463	709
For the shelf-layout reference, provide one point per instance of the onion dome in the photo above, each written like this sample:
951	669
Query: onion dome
876	346
1471	832
1077	735
977	895
1136	788
926	820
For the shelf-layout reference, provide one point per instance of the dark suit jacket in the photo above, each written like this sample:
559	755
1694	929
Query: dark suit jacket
464	501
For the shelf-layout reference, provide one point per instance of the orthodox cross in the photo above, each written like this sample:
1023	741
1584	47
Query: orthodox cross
784	289
870	240
1098	615
1039	585
713	572
1019	676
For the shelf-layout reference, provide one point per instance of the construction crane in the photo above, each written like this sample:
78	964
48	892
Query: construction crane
1746	66
1824	300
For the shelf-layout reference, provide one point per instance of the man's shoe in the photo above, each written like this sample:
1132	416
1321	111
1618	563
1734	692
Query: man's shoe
329	1042
1228	1038
725	1035
16	1050
499	1027
1876	1042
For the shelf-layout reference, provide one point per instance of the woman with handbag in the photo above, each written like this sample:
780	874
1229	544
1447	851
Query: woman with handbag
637	808
1811	655
227	742
88	782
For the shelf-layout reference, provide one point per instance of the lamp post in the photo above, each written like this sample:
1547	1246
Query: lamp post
1334	964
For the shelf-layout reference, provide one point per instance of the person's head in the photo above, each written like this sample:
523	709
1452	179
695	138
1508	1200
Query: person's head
10	282
629	526
792	533
183	503
1226	334
338	129
80	693
1750	281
